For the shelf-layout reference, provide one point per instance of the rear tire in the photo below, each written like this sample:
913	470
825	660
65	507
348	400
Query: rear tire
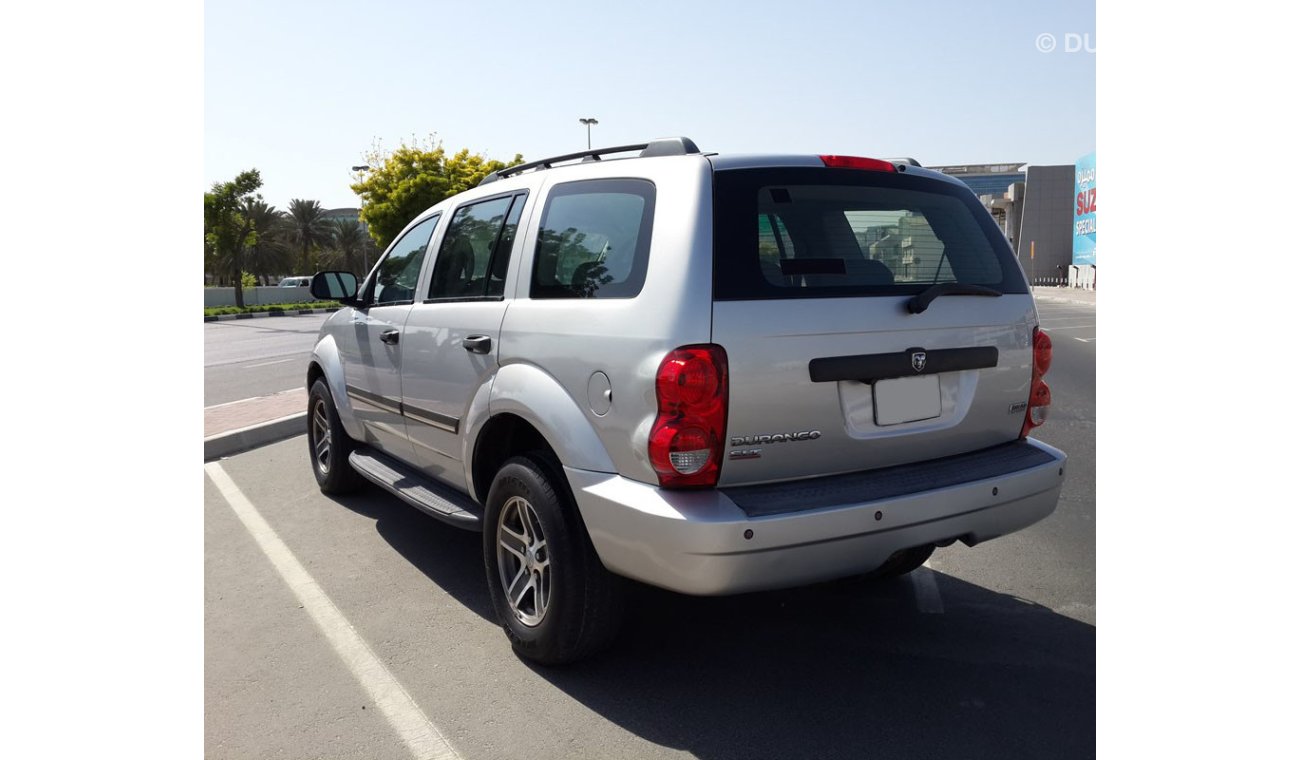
551	594
328	444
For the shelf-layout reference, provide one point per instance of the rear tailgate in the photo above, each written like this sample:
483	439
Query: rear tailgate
829	372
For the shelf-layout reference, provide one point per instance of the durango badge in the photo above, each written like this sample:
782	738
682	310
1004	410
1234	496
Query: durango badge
918	360
751	440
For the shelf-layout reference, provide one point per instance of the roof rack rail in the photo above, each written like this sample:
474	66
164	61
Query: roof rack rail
664	146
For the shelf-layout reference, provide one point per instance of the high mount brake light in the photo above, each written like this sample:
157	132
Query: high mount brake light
1040	396
858	162
687	437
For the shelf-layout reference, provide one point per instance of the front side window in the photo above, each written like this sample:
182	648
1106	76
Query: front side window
594	240
396	276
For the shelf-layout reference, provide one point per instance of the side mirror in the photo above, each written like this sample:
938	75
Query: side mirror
335	286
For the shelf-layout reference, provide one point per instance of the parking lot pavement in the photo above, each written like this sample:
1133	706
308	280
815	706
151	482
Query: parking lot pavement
273	687
1068	320
1004	667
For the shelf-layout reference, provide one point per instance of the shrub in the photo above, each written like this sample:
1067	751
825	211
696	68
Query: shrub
219	310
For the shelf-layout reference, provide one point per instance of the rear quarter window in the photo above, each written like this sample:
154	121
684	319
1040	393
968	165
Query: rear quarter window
809	233
594	239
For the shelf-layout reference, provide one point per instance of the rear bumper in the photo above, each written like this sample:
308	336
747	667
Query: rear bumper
694	541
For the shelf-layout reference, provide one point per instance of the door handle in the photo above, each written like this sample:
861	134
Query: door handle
389	337
477	344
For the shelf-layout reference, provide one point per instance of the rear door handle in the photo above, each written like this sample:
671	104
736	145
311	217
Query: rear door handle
389	337
477	344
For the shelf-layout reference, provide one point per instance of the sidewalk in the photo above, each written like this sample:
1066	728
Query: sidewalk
252	422
1065	295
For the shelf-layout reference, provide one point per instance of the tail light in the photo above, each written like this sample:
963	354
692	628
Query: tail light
686	439
1040	396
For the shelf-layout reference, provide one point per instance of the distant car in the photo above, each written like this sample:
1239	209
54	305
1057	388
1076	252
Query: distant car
295	282
712	374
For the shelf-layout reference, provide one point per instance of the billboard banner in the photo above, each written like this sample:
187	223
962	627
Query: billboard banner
1085	210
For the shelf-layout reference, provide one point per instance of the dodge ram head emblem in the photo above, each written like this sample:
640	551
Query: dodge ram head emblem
918	360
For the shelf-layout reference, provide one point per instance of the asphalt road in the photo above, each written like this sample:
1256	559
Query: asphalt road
990	654
256	357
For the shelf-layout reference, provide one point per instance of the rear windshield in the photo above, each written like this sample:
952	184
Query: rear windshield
833	233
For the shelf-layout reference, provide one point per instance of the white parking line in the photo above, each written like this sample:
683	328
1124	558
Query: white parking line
421	737
254	398
926	590
278	361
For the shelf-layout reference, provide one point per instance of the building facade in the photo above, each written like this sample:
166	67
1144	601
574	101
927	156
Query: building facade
1034	206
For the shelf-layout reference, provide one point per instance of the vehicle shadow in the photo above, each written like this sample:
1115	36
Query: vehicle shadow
847	670
450	557
835	670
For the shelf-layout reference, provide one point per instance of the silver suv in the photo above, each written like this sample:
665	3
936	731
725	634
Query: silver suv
713	374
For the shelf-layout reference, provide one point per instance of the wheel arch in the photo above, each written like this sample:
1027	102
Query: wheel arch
325	363
530	410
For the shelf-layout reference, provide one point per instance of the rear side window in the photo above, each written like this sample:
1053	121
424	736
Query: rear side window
810	233
594	240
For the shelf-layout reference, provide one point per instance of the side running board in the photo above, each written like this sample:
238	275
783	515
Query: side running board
440	501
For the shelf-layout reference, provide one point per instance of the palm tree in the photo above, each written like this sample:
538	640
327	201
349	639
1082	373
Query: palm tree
272	252
310	230
352	246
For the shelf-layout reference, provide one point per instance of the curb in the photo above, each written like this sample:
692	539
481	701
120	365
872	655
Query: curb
245	439
268	313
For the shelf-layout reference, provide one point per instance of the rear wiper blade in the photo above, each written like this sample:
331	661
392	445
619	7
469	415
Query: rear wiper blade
921	301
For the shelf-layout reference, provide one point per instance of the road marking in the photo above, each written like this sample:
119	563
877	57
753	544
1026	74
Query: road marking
422	738
279	361
254	398
926	590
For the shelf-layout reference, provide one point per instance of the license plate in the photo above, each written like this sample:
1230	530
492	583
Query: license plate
906	399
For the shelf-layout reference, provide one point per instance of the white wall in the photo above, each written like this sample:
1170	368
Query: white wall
259	296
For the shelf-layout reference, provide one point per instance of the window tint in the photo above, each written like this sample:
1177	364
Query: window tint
397	275
462	267
594	240
830	233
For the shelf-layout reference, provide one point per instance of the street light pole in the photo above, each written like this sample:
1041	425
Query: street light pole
588	122
365	249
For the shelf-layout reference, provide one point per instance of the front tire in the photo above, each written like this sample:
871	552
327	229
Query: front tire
554	598
329	444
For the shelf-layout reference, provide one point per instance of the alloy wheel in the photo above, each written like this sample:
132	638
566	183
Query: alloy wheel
523	561
320	436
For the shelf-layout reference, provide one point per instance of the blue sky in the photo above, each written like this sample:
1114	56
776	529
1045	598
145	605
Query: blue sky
302	91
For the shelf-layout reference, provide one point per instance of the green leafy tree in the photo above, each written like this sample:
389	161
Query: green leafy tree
412	178
227	230
272	253
353	249
310	230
